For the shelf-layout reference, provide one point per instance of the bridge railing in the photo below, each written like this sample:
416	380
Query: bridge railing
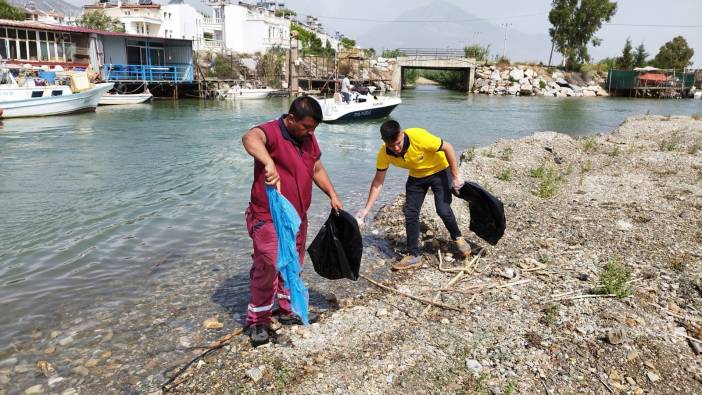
434	53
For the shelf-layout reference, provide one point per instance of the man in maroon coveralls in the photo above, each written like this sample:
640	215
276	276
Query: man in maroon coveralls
286	156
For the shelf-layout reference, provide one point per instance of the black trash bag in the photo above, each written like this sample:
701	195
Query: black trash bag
337	249
487	214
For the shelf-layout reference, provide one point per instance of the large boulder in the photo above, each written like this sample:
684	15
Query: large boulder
495	75
556	75
567	91
526	90
561	81
529	73
516	74
512	90
589	93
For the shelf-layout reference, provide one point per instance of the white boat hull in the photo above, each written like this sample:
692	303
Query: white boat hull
372	108
55	105
248	94
117	99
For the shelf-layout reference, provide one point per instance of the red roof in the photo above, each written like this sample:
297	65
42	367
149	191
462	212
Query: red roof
73	29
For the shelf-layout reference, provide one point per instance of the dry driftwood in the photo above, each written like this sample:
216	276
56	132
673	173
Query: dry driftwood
215	345
417	298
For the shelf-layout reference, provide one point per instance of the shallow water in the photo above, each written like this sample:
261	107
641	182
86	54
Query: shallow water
129	221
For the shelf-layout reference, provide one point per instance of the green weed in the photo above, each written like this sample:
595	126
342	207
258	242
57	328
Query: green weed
671	143
469	154
614	278
505	175
506	154
589	144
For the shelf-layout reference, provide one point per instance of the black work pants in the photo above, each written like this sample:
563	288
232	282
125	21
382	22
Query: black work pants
440	184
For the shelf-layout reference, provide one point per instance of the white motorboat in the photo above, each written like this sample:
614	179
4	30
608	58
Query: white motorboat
30	100
238	93
698	95
127	98
360	107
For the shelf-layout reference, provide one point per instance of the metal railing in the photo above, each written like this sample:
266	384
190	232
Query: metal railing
436	53
211	43
151	73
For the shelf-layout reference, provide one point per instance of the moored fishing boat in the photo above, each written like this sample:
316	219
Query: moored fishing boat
31	100
127	98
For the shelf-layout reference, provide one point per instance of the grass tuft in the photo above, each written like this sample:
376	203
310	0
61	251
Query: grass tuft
614	278
505	175
589	144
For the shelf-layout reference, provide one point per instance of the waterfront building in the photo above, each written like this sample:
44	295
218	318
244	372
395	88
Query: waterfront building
181	20
244	28
143	18
111	55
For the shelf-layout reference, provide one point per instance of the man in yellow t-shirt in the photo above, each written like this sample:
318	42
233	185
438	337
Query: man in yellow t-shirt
432	164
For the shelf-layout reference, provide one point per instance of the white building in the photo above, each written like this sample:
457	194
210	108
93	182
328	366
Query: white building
244	28
180	20
143	18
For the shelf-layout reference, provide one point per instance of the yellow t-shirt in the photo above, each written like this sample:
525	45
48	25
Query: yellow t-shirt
422	158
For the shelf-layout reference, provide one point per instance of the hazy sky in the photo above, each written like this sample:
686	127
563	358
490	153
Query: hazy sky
527	16
641	12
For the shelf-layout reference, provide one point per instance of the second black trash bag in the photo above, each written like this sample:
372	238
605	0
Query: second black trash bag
337	249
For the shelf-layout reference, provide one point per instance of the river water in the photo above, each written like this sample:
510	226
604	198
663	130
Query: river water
122	230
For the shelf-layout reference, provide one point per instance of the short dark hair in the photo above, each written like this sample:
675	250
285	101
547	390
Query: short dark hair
389	130
306	106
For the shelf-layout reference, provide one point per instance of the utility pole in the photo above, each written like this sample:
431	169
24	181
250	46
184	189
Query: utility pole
504	45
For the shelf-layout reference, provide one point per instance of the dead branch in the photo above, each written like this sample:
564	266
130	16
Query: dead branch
217	344
423	300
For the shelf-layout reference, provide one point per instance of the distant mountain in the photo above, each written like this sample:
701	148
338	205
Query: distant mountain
50	5
457	33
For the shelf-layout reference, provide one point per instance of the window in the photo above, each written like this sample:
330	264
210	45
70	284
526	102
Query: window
3	48
56	93
37	94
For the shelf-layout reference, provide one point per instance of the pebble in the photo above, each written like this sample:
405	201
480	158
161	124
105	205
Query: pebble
381	313
81	370
69	391
8	362
91	363
212	323
616	336
65	341
184	341
507	273
583	277
34	390
23	368
255	374
201	363
4	379
55	380
652	376
45	368
630	380
445	321
473	365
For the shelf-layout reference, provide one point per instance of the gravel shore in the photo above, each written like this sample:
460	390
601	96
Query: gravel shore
596	286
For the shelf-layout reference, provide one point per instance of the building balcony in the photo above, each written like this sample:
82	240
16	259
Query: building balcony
211	44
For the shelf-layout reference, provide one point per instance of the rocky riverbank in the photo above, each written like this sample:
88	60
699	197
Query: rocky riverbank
596	286
524	80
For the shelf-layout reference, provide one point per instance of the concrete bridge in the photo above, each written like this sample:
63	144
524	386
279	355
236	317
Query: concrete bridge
434	59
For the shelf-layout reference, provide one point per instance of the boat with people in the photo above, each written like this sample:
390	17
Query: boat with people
30	97
363	104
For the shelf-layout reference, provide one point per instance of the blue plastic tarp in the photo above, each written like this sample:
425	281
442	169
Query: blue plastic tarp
287	223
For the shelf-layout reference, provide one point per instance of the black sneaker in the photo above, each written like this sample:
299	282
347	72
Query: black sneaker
259	335
294	319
